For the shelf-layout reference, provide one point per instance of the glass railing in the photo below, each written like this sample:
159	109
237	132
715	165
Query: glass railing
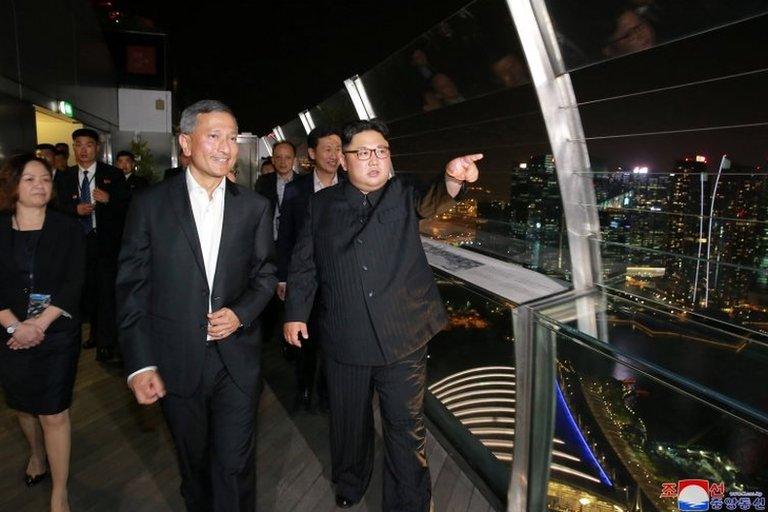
658	402
471	381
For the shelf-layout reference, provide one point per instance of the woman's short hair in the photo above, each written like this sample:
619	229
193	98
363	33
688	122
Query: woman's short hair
10	176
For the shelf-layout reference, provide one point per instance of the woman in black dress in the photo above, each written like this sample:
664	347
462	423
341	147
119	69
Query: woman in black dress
41	279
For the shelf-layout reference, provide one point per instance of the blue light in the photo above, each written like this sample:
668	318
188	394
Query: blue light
583	442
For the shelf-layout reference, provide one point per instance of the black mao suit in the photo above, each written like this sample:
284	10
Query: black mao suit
163	298
102	245
378	306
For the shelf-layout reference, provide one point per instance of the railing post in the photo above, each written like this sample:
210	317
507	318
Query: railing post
534	412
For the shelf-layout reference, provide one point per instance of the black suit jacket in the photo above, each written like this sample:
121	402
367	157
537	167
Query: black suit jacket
293	211
378	300
173	171
266	185
59	269
136	183
162	290
110	216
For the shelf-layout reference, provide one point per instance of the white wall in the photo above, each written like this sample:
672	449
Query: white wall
139	112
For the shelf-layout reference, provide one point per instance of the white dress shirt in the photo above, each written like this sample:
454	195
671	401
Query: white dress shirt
208	212
319	184
209	219
92	185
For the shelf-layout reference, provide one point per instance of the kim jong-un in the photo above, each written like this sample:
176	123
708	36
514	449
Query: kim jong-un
360	251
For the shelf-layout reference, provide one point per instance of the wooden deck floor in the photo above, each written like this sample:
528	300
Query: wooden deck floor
123	460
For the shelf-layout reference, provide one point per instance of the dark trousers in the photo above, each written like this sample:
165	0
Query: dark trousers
307	367
106	310
98	302
213	431
90	286
401	387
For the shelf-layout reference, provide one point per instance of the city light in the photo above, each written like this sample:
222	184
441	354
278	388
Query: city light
701	159
585	501
640	170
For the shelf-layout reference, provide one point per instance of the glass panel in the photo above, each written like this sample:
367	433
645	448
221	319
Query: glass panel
699	351
470	54
642	438
592	31
678	165
471	380
513	212
336	110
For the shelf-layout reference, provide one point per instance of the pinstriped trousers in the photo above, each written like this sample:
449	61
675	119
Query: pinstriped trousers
401	386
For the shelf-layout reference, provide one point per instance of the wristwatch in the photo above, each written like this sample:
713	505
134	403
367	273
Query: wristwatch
12	328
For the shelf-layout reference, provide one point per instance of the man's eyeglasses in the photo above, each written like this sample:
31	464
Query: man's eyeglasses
365	153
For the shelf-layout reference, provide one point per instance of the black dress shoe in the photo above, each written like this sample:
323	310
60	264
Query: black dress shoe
104	354
90	343
34	480
343	501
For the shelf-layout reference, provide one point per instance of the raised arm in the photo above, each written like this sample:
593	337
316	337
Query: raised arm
446	190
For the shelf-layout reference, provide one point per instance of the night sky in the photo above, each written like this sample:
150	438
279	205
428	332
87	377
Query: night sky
271	60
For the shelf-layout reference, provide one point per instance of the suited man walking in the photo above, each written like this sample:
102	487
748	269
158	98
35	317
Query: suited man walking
272	186
126	162
96	194
324	146
191	287
378	307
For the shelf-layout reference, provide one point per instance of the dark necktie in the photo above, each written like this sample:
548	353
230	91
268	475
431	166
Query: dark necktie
85	197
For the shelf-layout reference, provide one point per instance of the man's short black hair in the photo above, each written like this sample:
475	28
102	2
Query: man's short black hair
355	127
320	132
43	147
63	146
59	152
86	132
287	142
125	153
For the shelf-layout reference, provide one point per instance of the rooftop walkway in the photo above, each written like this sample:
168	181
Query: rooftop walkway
123	460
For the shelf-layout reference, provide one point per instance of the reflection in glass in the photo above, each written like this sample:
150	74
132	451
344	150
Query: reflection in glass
472	53
590	31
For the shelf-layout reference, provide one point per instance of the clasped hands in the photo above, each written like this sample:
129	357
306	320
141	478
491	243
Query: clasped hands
28	334
222	323
99	195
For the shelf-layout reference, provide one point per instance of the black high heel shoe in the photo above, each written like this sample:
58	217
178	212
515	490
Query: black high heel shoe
31	481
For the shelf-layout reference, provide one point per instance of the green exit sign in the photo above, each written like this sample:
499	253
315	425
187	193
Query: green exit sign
65	108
